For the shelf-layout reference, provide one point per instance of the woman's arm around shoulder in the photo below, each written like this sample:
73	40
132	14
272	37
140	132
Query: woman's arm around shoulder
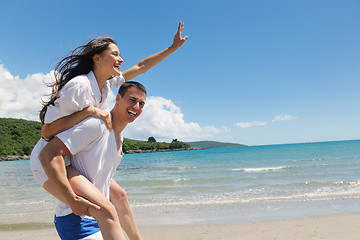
49	130
72	106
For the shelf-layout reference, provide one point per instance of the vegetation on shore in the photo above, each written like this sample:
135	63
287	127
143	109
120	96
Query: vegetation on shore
19	136
136	146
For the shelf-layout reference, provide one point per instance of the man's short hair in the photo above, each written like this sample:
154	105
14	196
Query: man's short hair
125	86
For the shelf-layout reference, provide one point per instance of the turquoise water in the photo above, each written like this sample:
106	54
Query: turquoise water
215	185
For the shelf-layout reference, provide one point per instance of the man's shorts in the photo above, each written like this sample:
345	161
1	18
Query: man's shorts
73	227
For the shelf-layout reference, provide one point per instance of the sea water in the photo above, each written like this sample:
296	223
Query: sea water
213	185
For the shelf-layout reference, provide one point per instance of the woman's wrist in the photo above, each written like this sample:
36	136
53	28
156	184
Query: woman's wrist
90	111
173	47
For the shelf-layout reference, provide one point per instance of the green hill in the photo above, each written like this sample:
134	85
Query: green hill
213	144
19	136
136	146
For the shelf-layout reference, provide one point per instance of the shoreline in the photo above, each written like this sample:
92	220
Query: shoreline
161	150
14	158
25	157
329	227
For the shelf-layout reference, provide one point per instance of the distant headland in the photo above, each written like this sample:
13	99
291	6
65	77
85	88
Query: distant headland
19	136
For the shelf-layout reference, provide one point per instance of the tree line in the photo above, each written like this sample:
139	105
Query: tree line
19	136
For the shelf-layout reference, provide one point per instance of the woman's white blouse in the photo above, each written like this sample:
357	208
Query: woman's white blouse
80	92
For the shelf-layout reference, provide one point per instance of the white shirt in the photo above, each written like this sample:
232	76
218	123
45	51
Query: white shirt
80	92
94	154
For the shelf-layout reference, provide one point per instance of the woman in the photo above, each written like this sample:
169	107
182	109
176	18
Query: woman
83	81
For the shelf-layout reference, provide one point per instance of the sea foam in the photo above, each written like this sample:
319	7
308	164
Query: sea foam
263	169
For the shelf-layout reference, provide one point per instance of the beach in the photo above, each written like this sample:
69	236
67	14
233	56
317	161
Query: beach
292	191
330	227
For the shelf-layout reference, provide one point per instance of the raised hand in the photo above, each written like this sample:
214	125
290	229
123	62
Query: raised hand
178	40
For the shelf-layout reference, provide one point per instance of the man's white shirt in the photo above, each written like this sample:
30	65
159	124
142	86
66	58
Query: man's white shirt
94	154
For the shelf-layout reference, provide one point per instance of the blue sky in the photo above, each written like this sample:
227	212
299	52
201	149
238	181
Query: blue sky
252	72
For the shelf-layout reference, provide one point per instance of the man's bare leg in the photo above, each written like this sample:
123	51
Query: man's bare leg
106	217
118	197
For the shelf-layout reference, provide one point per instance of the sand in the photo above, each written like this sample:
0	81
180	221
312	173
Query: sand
330	227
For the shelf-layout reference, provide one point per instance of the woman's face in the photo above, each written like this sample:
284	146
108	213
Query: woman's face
110	61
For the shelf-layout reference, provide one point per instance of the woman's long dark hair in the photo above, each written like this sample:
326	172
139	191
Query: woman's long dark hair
78	62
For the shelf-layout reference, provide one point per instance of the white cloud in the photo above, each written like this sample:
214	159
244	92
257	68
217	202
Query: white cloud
278	118
283	117
20	98
162	119
250	124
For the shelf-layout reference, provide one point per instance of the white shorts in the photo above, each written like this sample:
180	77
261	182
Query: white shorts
40	177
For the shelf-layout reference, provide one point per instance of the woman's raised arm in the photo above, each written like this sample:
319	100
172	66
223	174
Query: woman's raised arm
149	62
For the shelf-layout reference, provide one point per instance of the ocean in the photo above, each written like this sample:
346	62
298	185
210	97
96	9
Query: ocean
219	185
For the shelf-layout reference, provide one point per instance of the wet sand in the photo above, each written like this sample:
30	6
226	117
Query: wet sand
330	227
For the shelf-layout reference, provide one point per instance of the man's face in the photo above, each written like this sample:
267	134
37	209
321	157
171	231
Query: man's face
131	104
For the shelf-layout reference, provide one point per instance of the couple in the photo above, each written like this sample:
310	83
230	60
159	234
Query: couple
83	182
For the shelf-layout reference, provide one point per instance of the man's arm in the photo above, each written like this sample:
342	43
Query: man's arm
51	158
149	62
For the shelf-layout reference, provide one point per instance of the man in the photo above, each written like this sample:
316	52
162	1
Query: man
96	153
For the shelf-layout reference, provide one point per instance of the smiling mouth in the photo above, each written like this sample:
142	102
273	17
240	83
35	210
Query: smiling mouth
117	66
133	114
